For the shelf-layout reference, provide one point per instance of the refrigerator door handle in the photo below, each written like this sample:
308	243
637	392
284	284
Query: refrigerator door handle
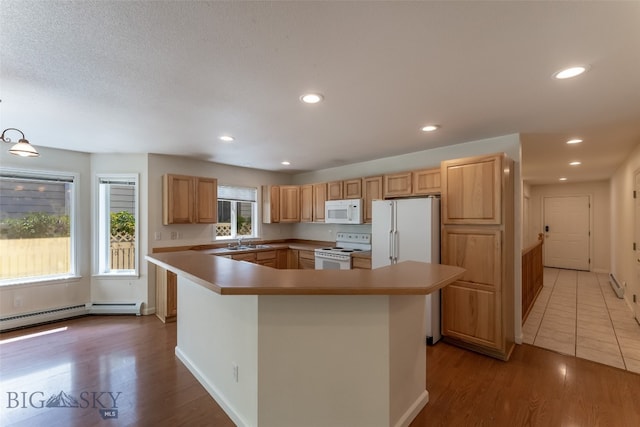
396	246
391	248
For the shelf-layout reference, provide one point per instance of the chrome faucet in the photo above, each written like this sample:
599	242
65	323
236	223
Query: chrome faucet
239	241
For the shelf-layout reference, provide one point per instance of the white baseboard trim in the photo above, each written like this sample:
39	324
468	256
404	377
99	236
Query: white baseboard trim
148	310
413	410
212	390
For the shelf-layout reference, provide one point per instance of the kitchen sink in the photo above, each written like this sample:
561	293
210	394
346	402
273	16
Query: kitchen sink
246	247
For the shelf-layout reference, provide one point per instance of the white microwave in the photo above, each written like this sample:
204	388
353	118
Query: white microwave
343	211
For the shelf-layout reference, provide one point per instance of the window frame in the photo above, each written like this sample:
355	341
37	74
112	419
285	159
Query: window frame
234	212
101	265
61	176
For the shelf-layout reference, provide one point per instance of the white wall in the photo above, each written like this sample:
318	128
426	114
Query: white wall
600	210
59	293
623	263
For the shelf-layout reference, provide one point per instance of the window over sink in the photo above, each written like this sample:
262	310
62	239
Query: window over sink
237	212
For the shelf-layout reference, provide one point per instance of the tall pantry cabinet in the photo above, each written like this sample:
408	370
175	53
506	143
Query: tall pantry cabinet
478	235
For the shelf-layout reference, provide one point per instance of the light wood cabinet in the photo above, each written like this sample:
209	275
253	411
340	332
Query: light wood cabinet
397	185
270	204
371	190
177	199
189	200
282	258
334	190
472	189
247	256
166	295
352	188
289	203
306	260
319	197
267	258
477	234
206	200
292	259
306	203
363	263
426	182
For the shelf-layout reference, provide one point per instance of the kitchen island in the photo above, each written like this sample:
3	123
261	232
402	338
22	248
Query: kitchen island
306	347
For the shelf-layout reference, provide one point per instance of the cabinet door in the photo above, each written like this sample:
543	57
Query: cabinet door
306	203
319	197
426	182
371	190
471	190
206	200
334	190
289	203
472	315
397	185
476	249
270	204
306	260
177	199
282	257
352	189
166	295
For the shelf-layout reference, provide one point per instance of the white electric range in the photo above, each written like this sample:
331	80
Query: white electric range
338	257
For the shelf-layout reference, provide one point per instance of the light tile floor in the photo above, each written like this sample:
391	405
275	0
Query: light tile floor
577	313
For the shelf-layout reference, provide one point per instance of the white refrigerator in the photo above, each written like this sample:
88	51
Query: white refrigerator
409	230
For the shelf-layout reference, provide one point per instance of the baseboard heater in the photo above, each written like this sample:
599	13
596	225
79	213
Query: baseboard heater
616	286
116	308
44	316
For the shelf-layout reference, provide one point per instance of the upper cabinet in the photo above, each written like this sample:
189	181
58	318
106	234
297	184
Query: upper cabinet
334	190
426	182
189	199
472	190
397	185
319	197
306	203
371	190
206	201
289	203
352	188
270	204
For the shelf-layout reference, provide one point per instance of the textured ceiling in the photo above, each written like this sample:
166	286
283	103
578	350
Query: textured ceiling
171	77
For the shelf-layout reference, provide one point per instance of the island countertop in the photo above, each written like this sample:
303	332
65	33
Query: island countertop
230	277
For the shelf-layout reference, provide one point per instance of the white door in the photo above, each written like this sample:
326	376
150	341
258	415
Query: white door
637	241
566	231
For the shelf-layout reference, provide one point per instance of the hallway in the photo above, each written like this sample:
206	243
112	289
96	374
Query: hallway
577	313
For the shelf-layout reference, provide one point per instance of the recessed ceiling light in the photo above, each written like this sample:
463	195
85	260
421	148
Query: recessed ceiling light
575	163
286	163
563	179
574	141
311	98
430	128
568	73
227	138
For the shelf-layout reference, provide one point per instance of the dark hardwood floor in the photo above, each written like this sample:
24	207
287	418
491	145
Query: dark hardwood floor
90	357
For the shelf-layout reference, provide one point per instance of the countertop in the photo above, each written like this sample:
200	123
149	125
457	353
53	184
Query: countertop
229	277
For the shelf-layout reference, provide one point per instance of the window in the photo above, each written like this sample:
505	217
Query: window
37	221
237	212
117	224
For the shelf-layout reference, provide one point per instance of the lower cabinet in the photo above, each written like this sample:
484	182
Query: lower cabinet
306	260
166	295
363	263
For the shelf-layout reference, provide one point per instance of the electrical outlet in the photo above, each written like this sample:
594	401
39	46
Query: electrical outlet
174	235
158	235
235	371
17	302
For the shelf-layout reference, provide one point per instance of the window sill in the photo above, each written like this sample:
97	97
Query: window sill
39	281
117	276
